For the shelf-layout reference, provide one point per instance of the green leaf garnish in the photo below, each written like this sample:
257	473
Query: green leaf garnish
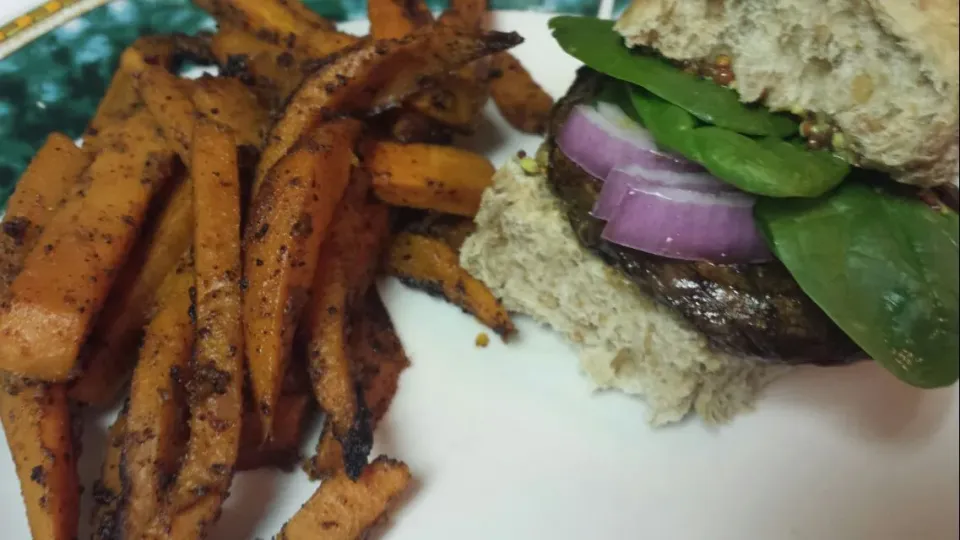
596	44
883	267
768	166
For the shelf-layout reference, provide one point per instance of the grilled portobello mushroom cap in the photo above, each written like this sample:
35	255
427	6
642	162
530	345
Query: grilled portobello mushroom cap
744	309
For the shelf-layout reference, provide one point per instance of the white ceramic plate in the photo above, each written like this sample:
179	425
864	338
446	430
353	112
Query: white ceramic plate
511	442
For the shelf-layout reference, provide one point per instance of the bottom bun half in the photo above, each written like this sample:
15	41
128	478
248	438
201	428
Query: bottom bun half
525	250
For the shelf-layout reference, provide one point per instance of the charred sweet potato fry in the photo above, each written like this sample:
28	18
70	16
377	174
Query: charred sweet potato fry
329	362
410	126
431	177
344	509
289	23
430	264
66	277
296	380
376	76
111	351
230	103
452	230
150	452
272	71
344	271
521	101
377	354
216	372
36	417
108	489
291	214
457	99
37	423
283	449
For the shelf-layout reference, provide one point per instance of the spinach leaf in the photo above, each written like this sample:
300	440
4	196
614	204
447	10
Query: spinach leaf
596	44
618	93
770	167
883	267
670	125
767	166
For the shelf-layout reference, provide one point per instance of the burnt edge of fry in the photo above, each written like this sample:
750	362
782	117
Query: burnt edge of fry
434	288
358	441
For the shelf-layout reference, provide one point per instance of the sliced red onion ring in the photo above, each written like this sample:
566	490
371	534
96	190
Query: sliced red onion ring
617	185
600	139
622	179
688	224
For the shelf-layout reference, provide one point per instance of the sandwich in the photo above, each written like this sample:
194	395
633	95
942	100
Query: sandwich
729	189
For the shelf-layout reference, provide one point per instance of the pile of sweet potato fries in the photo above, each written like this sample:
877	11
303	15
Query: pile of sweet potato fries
208	255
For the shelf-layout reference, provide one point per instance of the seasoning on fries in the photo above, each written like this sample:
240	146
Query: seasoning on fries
215	242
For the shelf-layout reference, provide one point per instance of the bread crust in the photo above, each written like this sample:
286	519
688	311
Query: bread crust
885	71
928	27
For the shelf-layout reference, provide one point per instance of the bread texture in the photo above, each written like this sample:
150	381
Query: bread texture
885	71
526	252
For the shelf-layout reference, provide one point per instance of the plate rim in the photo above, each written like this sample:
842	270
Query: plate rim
37	21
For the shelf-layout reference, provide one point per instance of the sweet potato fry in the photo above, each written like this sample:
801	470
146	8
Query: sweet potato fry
108	489
377	353
410	126
289	23
469	13
283	449
111	351
267	18
66	277
56	167
348	454
376	76
37	423
166	98
271	70
291	214
457	99
36	418
521	101
345	266
216	381
150	451
391	19
328	460
230	103
439	178
344	509
452	230
329	362
121	99
430	264
296	381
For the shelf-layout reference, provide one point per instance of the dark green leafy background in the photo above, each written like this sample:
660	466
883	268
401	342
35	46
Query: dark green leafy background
55	82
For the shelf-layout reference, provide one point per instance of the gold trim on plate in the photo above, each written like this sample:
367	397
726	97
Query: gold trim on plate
40	20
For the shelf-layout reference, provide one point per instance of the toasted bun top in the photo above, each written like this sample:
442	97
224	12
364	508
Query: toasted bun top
885	71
